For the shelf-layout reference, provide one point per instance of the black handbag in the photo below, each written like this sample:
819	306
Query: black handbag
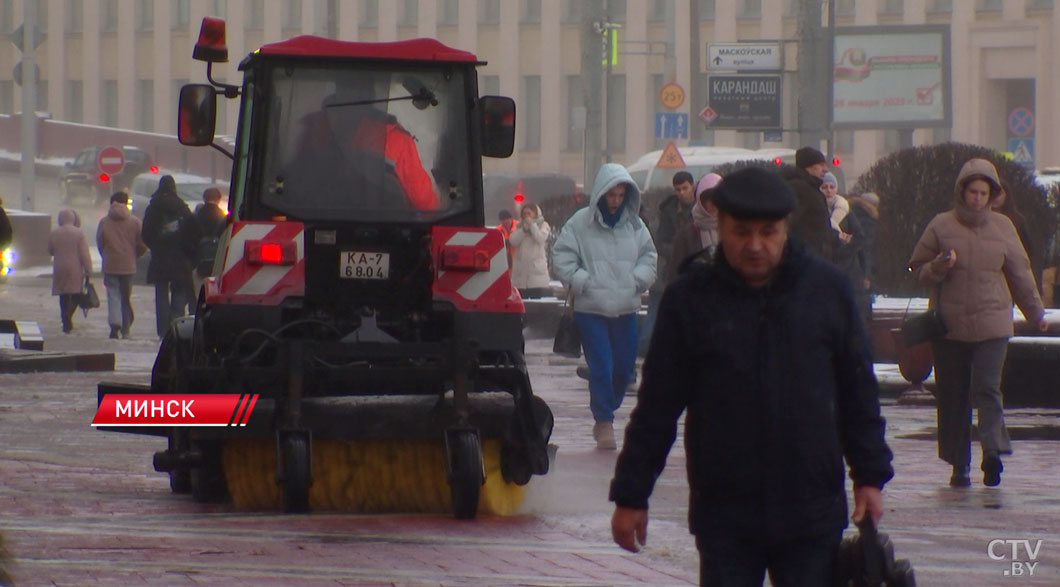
867	559
89	298
568	340
924	326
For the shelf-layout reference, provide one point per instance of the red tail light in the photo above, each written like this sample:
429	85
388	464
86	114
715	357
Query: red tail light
778	161
518	197
104	178
270	253
464	258
835	161
154	169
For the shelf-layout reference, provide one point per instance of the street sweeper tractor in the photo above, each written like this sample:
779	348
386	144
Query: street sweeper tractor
358	306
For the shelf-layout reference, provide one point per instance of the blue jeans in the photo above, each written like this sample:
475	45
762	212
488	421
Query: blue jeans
726	561
610	346
119	301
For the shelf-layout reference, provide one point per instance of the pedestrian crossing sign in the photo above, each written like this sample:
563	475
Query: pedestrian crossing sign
1022	150
671	158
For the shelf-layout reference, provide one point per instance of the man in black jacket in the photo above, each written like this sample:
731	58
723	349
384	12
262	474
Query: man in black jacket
809	221
170	233
765	351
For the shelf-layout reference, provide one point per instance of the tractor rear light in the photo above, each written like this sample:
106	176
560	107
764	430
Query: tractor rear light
211	44
104	178
270	253
464	258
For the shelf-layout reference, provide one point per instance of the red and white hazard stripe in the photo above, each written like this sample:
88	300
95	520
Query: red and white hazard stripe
243	282
489	290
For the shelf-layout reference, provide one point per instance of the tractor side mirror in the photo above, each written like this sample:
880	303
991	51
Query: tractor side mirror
197	115
498	125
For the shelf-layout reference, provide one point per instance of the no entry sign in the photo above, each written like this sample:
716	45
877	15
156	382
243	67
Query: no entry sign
110	160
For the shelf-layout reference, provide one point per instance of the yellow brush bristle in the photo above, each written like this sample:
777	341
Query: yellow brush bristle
365	476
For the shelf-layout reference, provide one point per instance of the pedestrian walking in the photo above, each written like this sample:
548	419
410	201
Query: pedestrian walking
71	265
866	208
697	242
210	222
810	220
675	214
606	258
529	242
976	265
764	352
849	255
120	244
507	225
166	233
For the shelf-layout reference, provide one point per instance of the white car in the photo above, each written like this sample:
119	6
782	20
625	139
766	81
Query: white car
189	188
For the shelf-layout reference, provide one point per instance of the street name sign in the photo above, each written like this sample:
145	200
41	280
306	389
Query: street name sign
744	56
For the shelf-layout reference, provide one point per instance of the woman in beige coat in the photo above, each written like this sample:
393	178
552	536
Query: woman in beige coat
71	264
529	240
974	262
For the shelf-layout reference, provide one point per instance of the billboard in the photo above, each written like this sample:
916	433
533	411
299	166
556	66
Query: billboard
891	77
743	101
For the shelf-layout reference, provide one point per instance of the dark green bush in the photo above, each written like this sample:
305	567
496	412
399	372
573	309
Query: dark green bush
917	183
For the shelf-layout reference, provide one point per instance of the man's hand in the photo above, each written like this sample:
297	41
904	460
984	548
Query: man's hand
629	527
866	498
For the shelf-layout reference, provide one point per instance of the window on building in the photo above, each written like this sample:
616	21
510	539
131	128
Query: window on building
370	13
6	25
572	11
706	9
180	13
844	7
940	6
43	105
448	12
73	16
145	105
75	97
616	10
616	114
657	10
891	6
844	141
145	15
531	11
575	113
42	16
292	14
255	14
1031	4
7	96
531	112
109	105
491	86
751	9
219	8
489	11
988	4
410	13
108	15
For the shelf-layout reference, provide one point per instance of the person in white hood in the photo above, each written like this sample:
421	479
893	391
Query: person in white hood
606	257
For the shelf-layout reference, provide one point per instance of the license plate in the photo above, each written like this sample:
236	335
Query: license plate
364	265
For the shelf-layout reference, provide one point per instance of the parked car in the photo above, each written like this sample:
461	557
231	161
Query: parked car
189	188
82	179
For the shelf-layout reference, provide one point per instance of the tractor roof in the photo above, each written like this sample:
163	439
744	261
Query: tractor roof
410	50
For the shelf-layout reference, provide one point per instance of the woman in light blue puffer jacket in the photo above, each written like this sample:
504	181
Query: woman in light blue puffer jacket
606	257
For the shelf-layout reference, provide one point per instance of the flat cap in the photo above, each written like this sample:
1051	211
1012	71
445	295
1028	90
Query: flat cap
754	192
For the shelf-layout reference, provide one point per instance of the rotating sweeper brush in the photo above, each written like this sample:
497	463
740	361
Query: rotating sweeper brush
355	292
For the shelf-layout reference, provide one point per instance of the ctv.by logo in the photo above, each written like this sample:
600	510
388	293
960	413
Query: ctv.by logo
1022	555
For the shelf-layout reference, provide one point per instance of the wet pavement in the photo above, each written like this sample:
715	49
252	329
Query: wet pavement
82	507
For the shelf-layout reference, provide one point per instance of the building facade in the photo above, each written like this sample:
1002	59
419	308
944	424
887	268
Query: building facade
121	63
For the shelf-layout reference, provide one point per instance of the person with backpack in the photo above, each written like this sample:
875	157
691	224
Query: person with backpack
167	231
211	220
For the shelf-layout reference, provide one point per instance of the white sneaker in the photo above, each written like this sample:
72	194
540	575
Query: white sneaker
604	434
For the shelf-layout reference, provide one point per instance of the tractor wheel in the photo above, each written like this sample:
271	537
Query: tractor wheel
296	481
179	479
208	480
465	474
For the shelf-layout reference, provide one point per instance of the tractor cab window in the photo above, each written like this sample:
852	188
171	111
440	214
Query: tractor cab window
369	145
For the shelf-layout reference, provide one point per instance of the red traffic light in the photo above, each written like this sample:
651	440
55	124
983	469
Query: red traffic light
518	197
835	161
778	161
103	177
